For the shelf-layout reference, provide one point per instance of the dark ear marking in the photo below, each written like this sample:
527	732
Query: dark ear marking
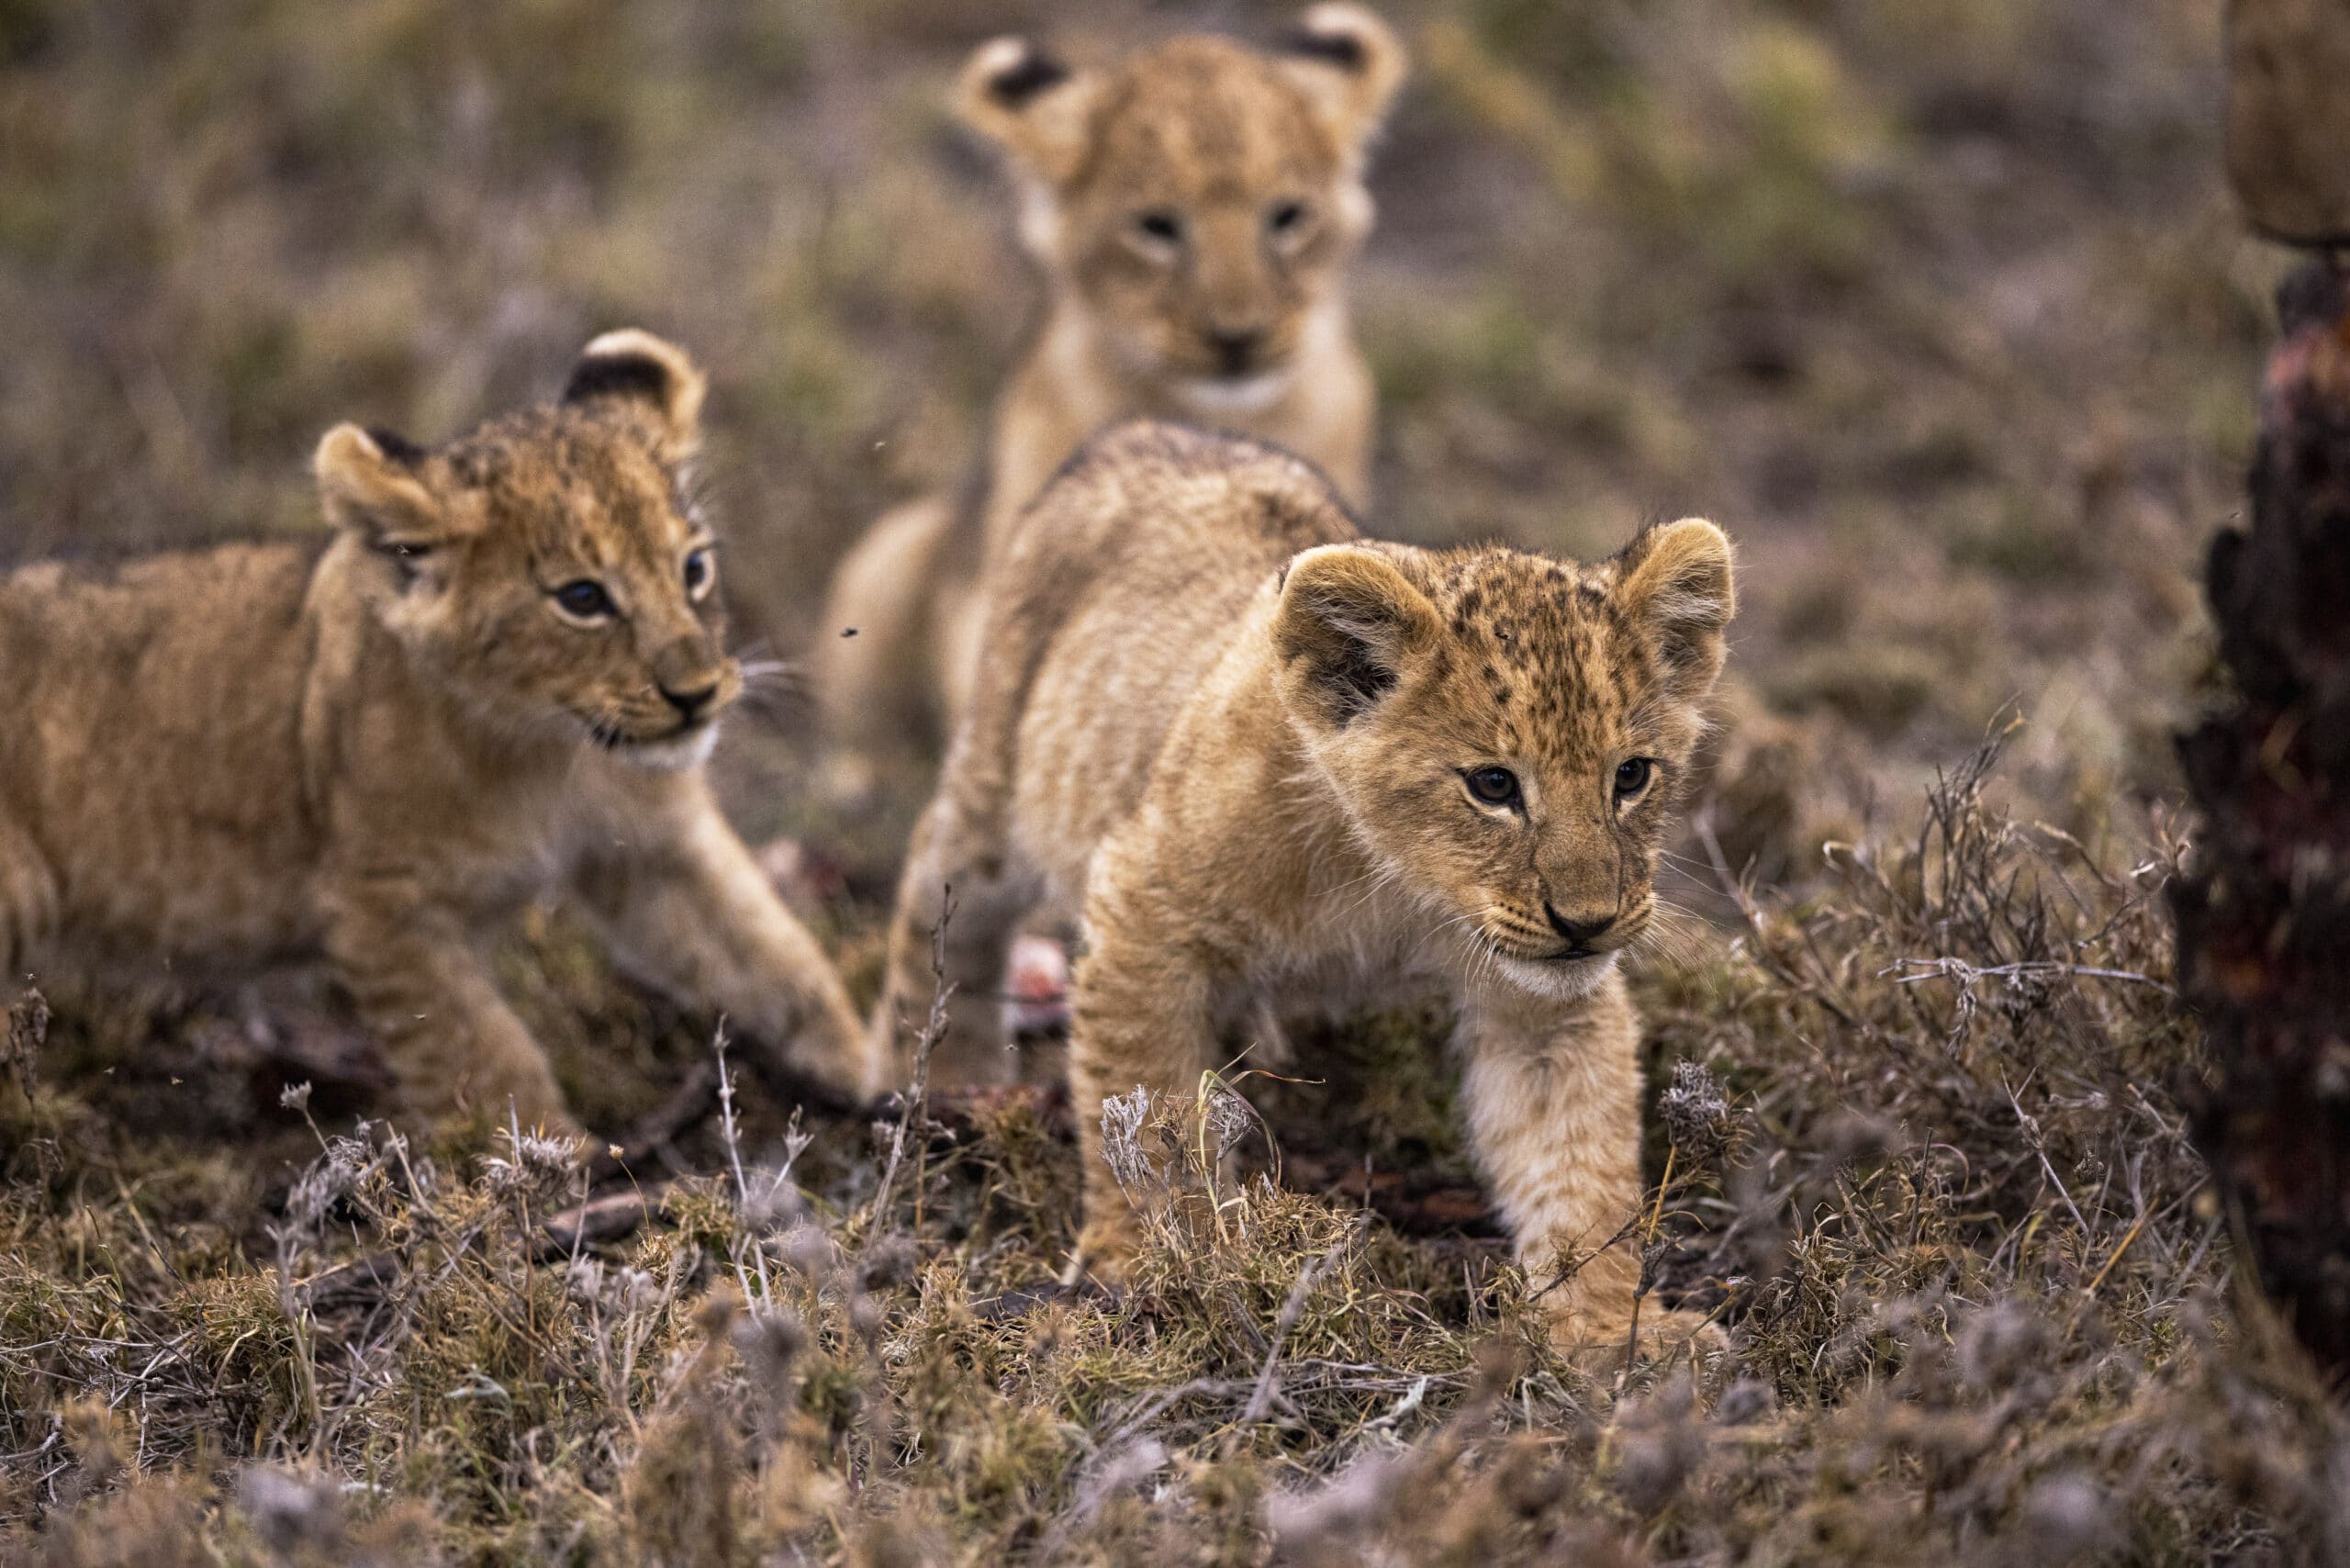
618	375
1342	50
649	381
1356	679
1031	103
1348	64
1034	73
1677	581
1343	660
395	446
1347	622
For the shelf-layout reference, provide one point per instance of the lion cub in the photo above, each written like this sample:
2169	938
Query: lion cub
1267	760
1192	211
498	677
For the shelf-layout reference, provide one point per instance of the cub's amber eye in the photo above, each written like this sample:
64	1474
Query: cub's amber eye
1285	219
585	601
1493	786
700	572
1632	777
1159	227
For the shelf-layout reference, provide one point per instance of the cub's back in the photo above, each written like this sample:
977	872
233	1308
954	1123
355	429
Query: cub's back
1135	570
151	741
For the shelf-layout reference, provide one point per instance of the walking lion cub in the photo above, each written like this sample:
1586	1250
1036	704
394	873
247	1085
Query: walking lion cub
499	676
1265	760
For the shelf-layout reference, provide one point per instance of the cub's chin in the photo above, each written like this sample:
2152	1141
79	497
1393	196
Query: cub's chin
672	755
1210	397
1563	980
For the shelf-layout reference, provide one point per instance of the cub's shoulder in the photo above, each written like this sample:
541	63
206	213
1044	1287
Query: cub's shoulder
1146	487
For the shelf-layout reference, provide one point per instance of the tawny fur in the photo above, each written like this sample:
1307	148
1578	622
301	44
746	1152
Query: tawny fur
370	750
1235	739
1235	319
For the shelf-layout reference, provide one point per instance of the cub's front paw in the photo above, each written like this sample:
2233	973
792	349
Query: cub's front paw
827	1066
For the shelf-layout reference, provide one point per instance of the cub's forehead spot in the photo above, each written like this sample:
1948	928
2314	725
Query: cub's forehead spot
1546	650
1207	120
574	488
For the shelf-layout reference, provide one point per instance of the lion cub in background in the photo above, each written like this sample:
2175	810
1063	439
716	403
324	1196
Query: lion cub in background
499	677
1267	760
1192	210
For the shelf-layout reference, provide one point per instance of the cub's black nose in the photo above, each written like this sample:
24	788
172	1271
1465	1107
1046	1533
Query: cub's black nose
688	704
1578	933
1236	348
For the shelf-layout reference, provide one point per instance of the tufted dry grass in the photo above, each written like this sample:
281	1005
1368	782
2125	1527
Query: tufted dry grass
1919	1142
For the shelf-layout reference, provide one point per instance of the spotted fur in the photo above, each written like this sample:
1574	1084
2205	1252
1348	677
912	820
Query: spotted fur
368	751
1194	209
1233	739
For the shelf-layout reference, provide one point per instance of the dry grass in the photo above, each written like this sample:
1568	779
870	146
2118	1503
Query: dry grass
1924	1161
1939	307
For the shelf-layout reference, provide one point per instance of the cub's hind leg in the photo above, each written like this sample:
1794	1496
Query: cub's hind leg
960	901
29	901
871	657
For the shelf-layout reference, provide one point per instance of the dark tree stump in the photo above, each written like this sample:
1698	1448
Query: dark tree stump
2264	920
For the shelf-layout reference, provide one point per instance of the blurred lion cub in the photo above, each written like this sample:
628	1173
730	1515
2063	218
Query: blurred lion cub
1271	761
1192	210
500	676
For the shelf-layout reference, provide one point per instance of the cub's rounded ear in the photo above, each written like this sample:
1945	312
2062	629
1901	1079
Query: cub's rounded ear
1348	625
1677	579
370	484
1349	63
1023	98
651	376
